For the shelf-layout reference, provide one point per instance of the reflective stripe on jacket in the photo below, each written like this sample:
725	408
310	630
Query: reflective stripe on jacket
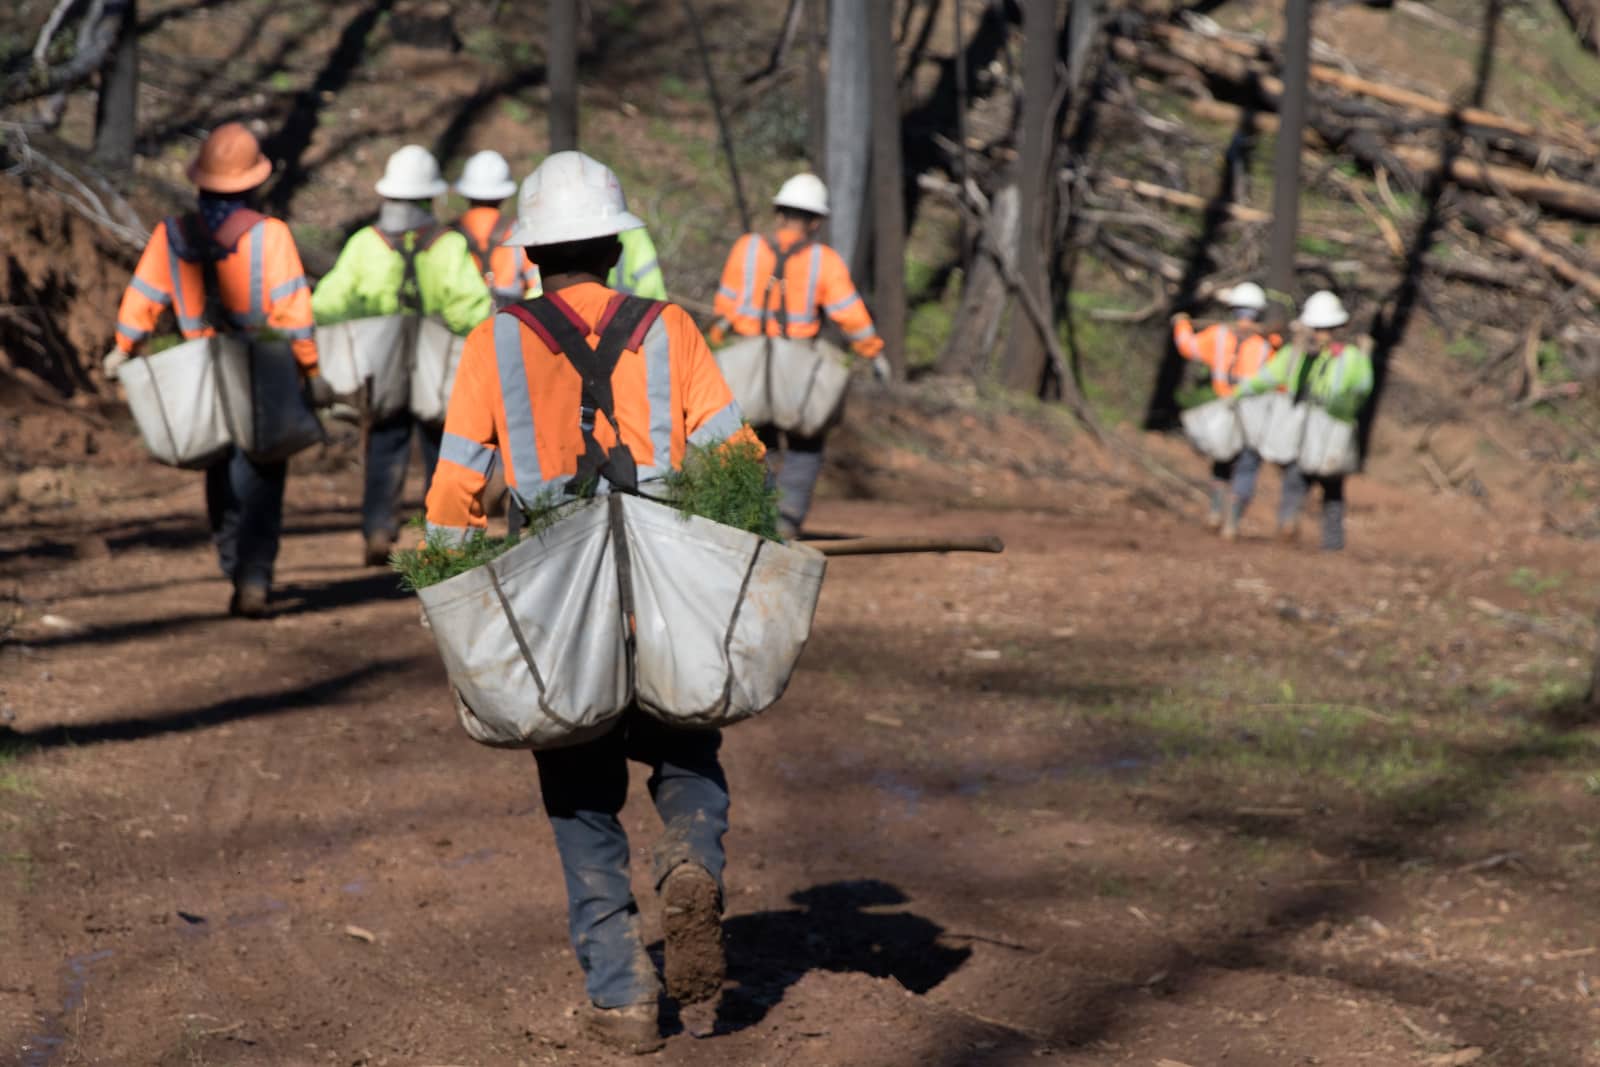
815	282
517	404
367	277
639	270
506	269
262	282
1338	379
1234	355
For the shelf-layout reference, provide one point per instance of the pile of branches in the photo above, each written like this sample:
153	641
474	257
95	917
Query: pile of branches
1484	199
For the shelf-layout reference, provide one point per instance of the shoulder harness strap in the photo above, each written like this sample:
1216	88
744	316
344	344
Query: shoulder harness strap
622	327
781	262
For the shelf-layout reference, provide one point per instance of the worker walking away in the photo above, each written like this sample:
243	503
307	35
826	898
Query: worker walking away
587	386
407	262
1320	369
486	182
260	286
1234	352
780	285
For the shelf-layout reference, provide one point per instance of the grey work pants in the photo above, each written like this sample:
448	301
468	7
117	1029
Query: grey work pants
1295	487
796	470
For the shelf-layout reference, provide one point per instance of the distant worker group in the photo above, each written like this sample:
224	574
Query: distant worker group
1321	383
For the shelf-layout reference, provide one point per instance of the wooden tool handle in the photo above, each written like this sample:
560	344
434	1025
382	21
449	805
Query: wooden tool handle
895	546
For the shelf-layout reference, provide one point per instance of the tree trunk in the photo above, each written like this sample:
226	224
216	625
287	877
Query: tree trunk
1026	355
849	125
561	71
1286	165
984	297
888	193
116	118
815	15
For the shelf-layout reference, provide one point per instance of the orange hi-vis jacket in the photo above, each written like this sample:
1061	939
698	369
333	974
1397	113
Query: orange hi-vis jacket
1234	355
507	269
519	402
815	282
263	284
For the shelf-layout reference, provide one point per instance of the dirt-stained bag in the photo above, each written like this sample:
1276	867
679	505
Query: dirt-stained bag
377	348
1214	429
1281	442
265	402
436	353
622	600
176	401
1330	445
797	386
1257	414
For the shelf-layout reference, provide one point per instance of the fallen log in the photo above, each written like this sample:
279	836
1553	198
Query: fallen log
1526	244
1569	198
1179	198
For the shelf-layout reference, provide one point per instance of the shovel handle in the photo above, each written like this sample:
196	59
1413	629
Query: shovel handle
897	546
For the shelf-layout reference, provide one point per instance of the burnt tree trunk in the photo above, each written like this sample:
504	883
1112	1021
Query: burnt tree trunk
561	71
849	126
888	193
984	297
1026	355
116	117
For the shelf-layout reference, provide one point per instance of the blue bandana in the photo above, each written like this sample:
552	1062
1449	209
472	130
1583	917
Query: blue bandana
215	209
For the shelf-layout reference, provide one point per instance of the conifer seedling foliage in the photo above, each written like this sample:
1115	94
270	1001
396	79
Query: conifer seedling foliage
725	483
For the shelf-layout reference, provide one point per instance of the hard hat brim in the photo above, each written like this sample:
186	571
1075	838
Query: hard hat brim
795	205
499	191
530	233
392	190
1320	323
235	182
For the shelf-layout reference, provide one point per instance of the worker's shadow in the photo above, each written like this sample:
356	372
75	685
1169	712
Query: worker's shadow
842	927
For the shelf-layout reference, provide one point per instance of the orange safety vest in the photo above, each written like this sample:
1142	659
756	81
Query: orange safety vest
506	269
260	280
783	287
649	389
1234	356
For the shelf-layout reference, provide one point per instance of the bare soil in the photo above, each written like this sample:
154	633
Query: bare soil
1122	795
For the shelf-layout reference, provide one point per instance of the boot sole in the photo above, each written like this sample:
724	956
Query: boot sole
639	1042
692	922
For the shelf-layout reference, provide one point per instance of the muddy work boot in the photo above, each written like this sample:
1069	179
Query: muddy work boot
378	548
249	601
1230	521
634	1028
1333	526
1289	532
691	918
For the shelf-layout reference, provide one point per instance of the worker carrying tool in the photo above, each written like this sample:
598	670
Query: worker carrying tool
409	263
588	387
1329	381
1233	351
780	285
260	286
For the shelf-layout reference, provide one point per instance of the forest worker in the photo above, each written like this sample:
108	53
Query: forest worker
588	385
261	286
1234	351
1318	367
485	182
780	285
407	262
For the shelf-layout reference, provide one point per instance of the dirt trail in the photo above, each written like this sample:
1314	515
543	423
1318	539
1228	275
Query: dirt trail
1087	802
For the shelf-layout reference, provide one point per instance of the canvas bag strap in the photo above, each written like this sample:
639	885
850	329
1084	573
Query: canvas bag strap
780	264
623	326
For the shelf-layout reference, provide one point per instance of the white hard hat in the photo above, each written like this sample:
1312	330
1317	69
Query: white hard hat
1249	295
487	176
1323	311
803	192
411	174
571	197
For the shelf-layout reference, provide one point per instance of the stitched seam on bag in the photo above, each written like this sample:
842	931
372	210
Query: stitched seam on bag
527	653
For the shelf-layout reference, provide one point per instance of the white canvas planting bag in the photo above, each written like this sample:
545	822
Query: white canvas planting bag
263	400
797	386
1281	443
623	600
436	353
1214	429
175	401
721	615
1329	446
376	348
1257	413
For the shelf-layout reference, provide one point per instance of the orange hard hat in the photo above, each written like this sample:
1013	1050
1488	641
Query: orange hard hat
230	161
